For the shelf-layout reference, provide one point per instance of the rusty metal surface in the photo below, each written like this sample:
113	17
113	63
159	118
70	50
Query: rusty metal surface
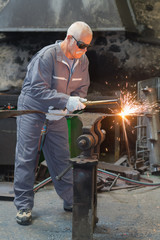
57	15
82	160
14	113
85	202
128	172
89	119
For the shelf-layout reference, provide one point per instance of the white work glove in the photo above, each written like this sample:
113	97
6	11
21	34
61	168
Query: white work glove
50	115
75	103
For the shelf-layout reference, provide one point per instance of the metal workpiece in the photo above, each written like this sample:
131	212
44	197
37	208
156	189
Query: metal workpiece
102	102
15	113
113	103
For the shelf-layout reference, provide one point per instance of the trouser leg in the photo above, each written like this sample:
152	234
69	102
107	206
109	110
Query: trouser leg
28	132
56	152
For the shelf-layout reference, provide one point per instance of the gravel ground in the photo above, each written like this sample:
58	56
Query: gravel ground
123	214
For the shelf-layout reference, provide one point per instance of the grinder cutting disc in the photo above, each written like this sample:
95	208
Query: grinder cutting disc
14	113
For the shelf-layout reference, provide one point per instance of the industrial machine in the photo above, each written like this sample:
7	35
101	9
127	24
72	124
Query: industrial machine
148	128
7	131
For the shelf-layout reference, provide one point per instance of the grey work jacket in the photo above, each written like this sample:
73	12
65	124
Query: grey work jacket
49	82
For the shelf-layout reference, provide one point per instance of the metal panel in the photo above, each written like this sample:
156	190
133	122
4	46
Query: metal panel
6	191
7	141
148	134
7	132
57	15
150	83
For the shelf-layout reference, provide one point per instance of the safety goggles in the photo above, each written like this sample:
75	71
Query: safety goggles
81	44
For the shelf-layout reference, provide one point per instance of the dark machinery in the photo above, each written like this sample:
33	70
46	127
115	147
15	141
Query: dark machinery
8	134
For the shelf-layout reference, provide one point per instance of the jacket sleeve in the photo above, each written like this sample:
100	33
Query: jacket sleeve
40	74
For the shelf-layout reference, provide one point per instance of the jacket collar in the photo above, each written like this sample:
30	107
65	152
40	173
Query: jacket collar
60	55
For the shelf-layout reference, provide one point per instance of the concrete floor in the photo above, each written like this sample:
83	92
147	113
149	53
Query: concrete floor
123	214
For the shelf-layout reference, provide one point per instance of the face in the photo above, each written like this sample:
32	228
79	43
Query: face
75	51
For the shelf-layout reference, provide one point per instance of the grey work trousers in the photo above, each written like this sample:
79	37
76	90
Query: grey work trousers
56	153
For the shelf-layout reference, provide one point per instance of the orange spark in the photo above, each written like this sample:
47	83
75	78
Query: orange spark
131	106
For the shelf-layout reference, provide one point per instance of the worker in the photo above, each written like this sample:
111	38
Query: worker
57	78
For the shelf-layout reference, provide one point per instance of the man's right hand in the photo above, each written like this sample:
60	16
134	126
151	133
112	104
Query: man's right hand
75	103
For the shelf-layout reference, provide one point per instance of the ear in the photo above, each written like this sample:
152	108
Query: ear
69	37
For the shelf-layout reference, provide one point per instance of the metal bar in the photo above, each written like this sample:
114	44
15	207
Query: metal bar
41	143
121	160
113	183
56	29
100	102
117	138
63	173
126	142
14	113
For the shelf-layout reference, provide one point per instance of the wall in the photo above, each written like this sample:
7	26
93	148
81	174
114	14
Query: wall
114	59
147	16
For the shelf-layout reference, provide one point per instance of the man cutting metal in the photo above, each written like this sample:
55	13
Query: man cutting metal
56	81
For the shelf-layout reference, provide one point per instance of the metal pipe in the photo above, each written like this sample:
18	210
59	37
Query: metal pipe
14	113
58	177
114	182
100	102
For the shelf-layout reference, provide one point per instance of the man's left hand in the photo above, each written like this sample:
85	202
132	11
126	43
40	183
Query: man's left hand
51	115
